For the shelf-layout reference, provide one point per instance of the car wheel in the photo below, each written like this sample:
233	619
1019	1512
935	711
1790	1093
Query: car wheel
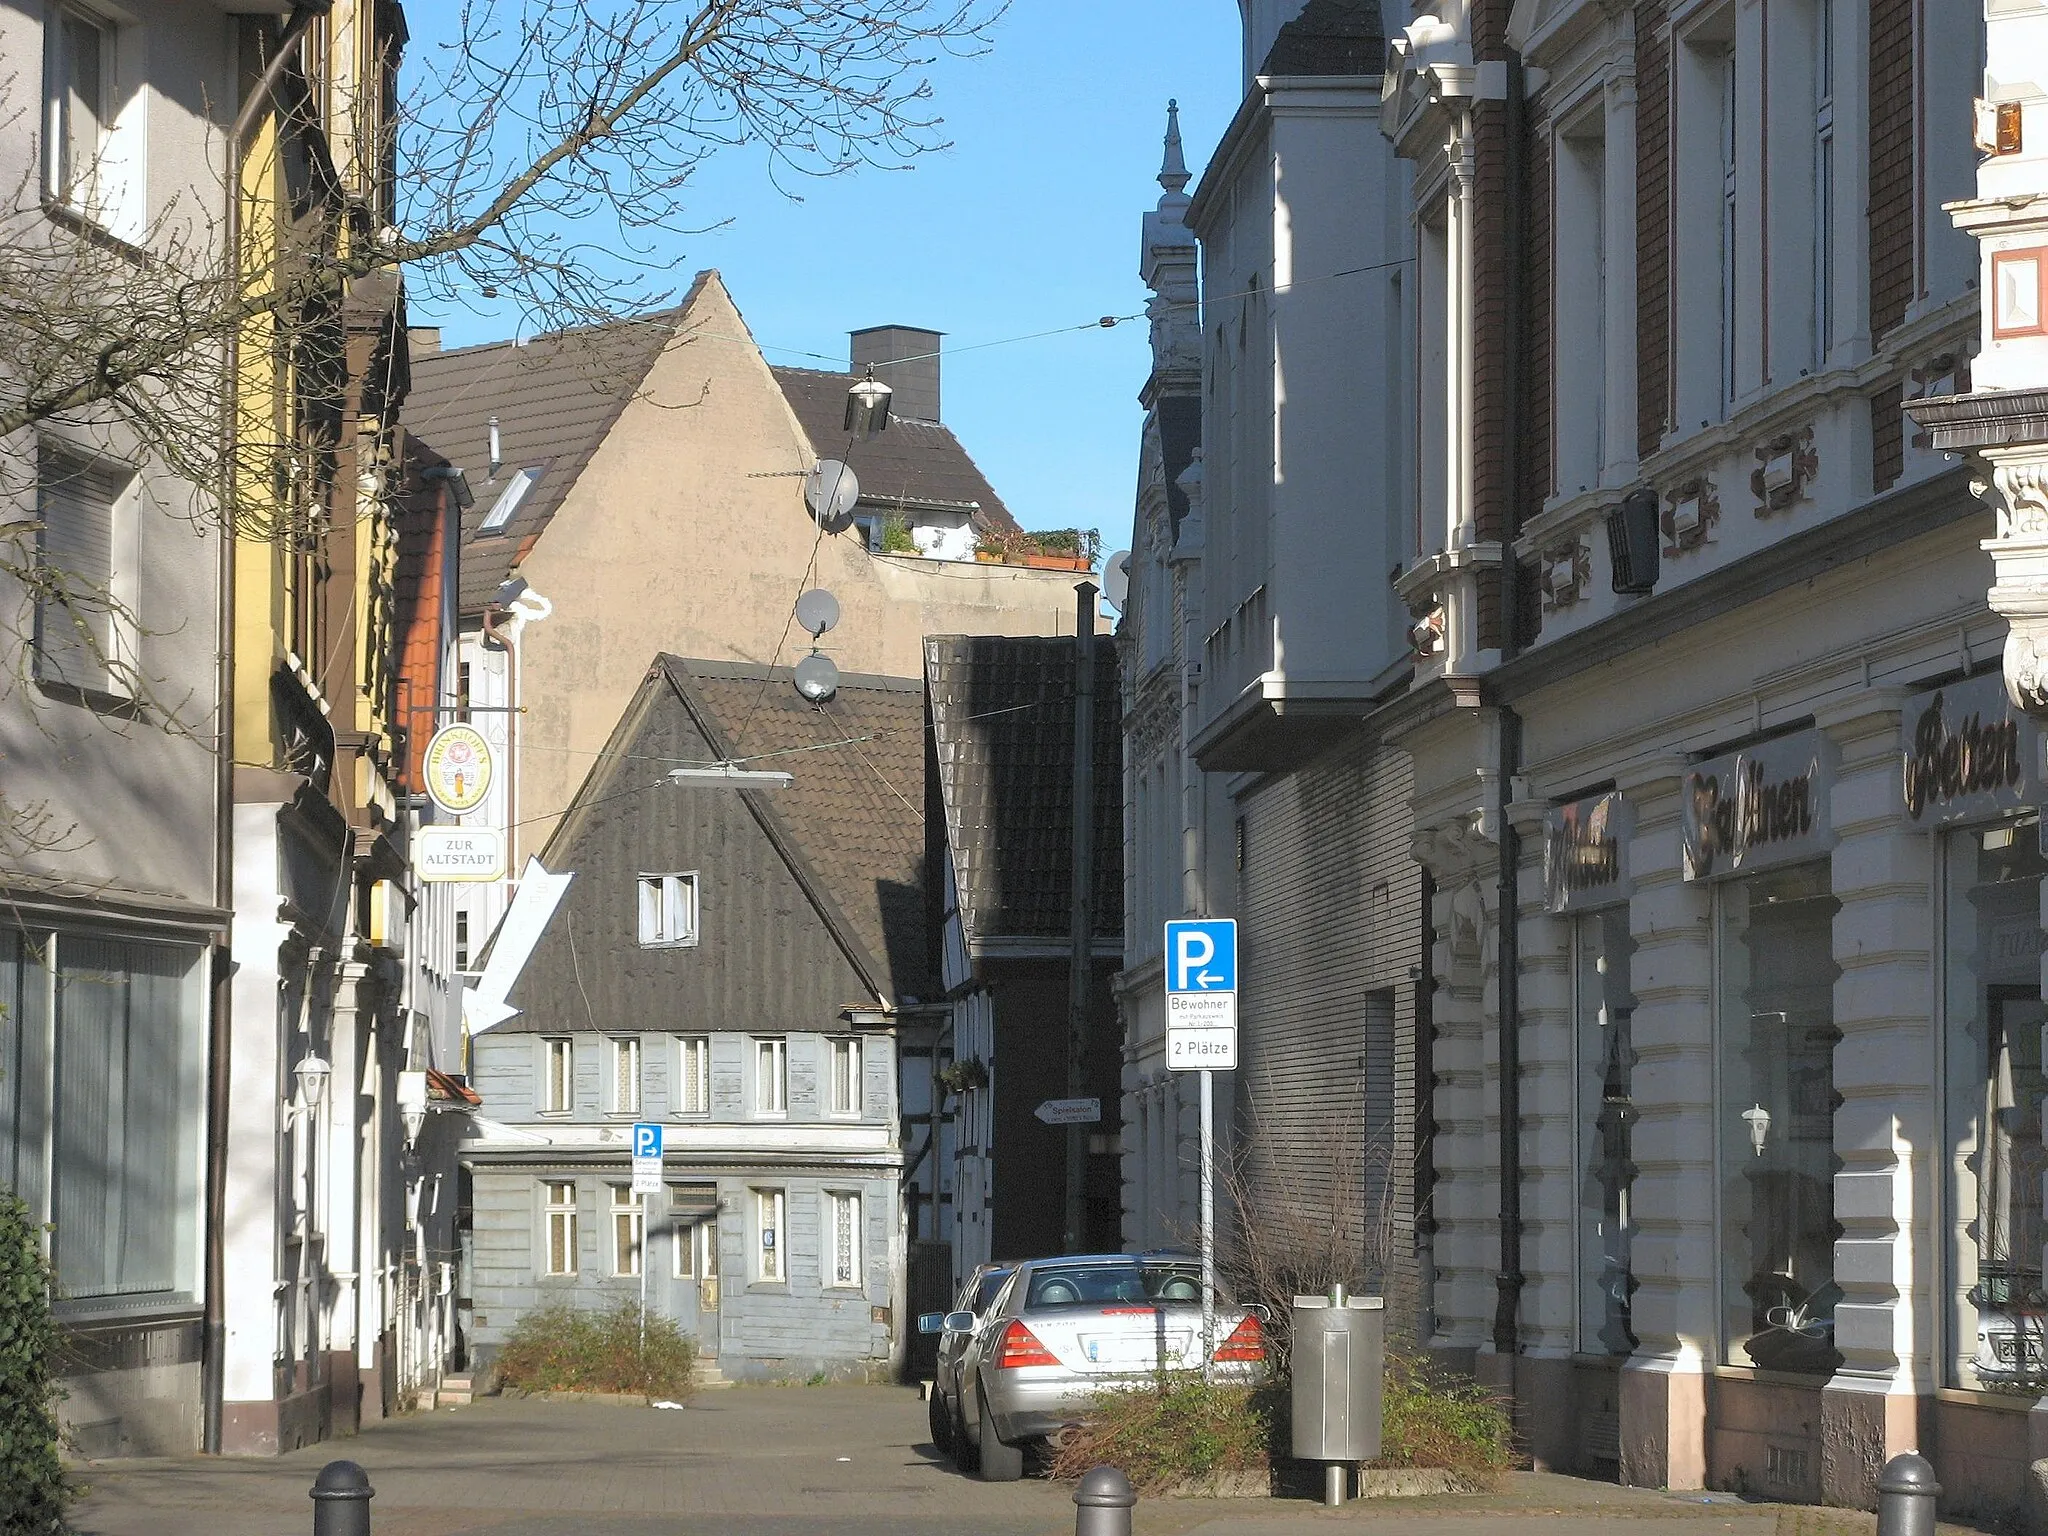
941	1422
1000	1463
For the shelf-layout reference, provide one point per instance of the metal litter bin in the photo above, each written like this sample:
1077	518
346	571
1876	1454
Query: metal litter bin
1340	1349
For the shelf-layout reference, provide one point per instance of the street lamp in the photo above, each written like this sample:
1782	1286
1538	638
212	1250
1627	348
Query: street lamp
867	405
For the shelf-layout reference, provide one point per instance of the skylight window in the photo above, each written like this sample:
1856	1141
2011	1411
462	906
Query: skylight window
508	501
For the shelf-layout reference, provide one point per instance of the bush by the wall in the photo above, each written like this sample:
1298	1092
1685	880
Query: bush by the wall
33	1490
559	1348
1432	1419
1174	1430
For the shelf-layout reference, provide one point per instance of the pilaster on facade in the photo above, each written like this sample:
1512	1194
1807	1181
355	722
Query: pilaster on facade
1673	1199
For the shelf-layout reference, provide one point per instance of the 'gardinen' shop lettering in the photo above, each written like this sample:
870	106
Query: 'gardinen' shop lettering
1747	811
1967	756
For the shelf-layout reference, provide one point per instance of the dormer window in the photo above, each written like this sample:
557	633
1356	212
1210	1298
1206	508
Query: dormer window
522	481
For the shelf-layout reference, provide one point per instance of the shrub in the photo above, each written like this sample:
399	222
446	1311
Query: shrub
1177	1429
559	1348
1431	1419
33	1490
896	537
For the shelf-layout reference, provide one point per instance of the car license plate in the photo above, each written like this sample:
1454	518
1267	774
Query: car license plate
1127	1349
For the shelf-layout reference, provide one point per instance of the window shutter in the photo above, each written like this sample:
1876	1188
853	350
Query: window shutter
74	622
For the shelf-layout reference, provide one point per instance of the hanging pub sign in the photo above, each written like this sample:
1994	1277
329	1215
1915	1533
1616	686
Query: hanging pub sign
1968	754
1585	853
459	767
1758	808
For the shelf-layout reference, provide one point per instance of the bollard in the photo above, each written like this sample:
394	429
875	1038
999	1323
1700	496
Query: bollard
341	1497
1906	1493
1103	1504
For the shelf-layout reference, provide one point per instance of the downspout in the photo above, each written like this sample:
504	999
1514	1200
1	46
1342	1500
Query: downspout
1507	1341
221	1035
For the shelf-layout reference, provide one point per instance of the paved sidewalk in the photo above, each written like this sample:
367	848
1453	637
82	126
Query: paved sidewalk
823	1461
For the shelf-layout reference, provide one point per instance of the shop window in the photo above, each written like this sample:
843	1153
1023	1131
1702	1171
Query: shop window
769	1263
1604	1007
842	1223
1997	1314
124	1121
1775	979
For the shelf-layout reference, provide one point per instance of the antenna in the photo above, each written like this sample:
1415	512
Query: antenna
817	610
830	491
1116	579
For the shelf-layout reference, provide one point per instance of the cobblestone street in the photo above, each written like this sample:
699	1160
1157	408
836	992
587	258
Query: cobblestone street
834	1461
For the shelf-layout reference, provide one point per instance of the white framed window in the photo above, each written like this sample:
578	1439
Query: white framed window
559	1215
629	1229
846	1077
558	1076
771	1076
770	1256
623	1080
78	59
1579	298
842	1238
693	1075
668	911
85	607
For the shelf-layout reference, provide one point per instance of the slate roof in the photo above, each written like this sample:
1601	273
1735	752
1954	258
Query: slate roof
915	461
555	399
1330	37
1003	723
854	817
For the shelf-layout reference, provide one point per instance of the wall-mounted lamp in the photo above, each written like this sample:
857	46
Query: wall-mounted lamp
1759	1120
312	1073
412	1103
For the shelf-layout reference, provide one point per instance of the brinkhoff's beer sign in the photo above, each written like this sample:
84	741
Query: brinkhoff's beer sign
1968	754
1585	853
1763	806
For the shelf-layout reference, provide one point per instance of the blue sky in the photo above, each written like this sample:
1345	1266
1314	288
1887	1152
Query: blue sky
1030	221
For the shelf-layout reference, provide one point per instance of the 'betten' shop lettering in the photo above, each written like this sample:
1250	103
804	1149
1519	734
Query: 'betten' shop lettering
1970	755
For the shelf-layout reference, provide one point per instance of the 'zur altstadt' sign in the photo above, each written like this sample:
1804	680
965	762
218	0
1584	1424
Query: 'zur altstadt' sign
458	854
1758	808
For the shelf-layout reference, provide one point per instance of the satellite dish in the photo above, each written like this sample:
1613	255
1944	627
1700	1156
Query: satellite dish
1116	579
816	678
817	610
830	490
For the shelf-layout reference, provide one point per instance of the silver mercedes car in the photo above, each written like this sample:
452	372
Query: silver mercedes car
1062	1331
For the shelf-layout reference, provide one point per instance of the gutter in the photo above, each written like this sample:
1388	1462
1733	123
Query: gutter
1508	1283
221	1033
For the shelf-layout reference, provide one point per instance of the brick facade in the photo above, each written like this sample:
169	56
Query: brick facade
1653	227
1891	163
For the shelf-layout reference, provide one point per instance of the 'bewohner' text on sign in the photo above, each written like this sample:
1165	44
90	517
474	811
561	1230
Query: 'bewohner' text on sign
1201	995
458	853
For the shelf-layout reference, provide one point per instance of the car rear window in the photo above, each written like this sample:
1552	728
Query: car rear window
1094	1285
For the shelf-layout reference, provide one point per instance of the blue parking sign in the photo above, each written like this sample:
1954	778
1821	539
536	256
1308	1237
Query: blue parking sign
1201	955
646	1138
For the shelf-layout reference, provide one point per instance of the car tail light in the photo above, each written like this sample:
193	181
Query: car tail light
1247	1341
1020	1346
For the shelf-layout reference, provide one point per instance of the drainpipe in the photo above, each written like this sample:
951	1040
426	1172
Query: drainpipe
1508	1283
221	1034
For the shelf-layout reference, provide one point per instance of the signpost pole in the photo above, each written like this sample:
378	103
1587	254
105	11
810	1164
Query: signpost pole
1208	1221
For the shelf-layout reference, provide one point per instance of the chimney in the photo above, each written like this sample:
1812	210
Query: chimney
424	340
916	382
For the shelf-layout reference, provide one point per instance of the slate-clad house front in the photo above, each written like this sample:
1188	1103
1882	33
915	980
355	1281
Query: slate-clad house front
736	964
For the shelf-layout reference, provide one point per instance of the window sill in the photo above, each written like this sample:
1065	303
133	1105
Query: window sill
668	943
768	1287
1763	1378
155	1310
101	701
87	227
1996	1402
